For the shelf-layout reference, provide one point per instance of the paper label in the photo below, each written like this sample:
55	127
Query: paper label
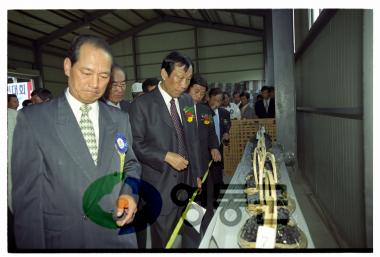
195	215
266	237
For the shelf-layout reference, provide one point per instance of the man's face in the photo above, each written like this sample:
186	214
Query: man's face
89	76
36	99
13	103
265	94
118	86
197	92
178	81
236	98
244	100
226	100
215	101
151	88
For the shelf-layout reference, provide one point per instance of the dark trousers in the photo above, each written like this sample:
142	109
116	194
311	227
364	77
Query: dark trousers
11	235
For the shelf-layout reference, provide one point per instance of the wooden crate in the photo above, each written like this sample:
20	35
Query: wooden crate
241	131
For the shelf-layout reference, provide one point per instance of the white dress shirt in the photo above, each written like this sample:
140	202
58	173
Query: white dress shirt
112	104
217	124
93	114
234	111
168	98
266	104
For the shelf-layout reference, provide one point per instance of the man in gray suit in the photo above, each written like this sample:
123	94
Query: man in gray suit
66	167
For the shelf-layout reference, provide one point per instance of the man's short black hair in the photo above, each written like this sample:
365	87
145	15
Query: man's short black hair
235	93
42	93
246	94
226	93
265	88
36	91
45	95
271	88
199	80
215	91
78	41
173	59
26	102
149	82
10	96
114	67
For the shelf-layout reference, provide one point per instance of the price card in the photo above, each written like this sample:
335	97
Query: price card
195	215
266	237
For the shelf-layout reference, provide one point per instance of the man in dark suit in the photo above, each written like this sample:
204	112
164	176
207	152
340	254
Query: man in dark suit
208	142
166	142
265	108
65	145
115	91
222	123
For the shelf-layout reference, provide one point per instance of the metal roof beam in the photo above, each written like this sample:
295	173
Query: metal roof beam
135	30
159	12
71	27
217	26
254	12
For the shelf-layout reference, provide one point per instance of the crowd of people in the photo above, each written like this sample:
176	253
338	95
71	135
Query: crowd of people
165	137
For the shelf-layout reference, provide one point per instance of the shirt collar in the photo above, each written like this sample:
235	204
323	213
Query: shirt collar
165	95
76	104
112	104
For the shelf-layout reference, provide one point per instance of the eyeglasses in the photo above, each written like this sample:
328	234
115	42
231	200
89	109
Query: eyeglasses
121	84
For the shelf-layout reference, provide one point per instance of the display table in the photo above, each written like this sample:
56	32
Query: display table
223	230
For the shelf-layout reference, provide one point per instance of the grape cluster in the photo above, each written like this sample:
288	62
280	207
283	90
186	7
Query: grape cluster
249	231
253	198
251	182
282	216
282	196
287	234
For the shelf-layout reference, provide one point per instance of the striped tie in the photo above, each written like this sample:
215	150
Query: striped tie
88	132
179	129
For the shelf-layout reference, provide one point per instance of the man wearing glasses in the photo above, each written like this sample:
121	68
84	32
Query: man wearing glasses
114	94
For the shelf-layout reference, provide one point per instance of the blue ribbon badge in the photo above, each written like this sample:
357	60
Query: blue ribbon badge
121	143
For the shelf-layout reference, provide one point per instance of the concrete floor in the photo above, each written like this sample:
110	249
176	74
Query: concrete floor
320	233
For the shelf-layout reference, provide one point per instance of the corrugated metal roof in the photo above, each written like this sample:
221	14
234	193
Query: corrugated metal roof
54	29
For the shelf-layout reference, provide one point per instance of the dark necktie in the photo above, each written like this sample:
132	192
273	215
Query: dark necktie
179	129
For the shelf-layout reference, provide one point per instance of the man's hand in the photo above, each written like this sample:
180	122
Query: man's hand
176	161
125	204
226	136
215	154
199	184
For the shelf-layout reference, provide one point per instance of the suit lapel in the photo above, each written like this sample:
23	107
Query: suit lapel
72	139
107	132
161	107
187	126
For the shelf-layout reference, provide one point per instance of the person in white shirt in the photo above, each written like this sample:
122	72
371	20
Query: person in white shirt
137	90
236	96
232	108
